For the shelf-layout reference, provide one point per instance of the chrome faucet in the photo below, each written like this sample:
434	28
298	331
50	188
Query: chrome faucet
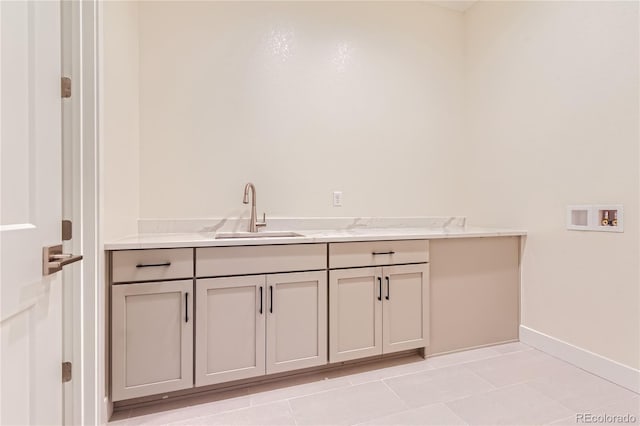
253	225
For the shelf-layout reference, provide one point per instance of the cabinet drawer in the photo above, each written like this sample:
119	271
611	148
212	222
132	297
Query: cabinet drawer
243	260
151	265
374	253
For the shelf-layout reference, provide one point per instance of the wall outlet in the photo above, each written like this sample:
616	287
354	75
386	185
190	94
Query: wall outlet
337	198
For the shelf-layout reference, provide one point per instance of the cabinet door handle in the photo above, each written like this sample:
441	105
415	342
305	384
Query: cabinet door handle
260	300
388	294
379	253
379	288
270	299
186	307
151	265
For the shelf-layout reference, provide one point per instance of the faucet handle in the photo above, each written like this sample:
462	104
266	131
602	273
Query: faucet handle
264	220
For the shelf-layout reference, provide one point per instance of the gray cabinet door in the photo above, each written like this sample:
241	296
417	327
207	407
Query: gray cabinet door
152	338
355	313
230	329
405	307
296	321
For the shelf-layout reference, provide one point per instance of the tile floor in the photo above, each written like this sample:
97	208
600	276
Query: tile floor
509	384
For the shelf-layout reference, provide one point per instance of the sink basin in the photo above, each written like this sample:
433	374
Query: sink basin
265	234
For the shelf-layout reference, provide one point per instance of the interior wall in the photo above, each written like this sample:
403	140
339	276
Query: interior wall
553	121
120	118
302	99
507	114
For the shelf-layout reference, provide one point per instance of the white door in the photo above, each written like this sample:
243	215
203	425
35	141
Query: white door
30	213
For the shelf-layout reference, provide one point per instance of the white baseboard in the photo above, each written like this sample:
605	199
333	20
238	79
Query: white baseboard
606	368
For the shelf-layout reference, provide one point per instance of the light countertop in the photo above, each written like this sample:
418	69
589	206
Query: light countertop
206	239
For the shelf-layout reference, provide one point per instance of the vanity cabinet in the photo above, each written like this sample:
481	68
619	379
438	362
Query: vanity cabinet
188	317
152	338
382	309
251	325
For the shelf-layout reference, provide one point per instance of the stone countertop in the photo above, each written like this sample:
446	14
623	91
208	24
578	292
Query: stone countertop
207	239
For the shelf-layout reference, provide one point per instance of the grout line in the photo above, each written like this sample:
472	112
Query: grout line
318	393
297	396
495	388
482	378
295	421
497	355
396	395
392	376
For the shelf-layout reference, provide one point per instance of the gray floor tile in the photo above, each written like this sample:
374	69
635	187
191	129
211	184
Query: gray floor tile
439	385
278	413
518	367
261	395
389	372
346	406
511	347
462	357
191	412
514	405
624	412
435	414
578	390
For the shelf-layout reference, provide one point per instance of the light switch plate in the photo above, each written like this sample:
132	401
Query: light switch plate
337	198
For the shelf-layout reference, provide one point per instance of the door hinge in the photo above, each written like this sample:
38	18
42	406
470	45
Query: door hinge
66	87
66	372
67	233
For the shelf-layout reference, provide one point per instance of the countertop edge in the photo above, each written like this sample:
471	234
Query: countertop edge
195	240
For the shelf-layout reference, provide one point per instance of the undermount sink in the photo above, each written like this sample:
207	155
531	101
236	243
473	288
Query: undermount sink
265	234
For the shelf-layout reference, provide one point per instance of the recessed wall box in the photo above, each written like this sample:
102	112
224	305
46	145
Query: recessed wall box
596	217
608	218
578	217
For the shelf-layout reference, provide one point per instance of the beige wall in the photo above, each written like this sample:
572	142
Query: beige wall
120	119
552	121
302	99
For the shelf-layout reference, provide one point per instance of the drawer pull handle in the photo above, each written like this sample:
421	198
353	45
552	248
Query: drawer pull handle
379	253
186	307
151	265
260	300
271	299
379	288
388	294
